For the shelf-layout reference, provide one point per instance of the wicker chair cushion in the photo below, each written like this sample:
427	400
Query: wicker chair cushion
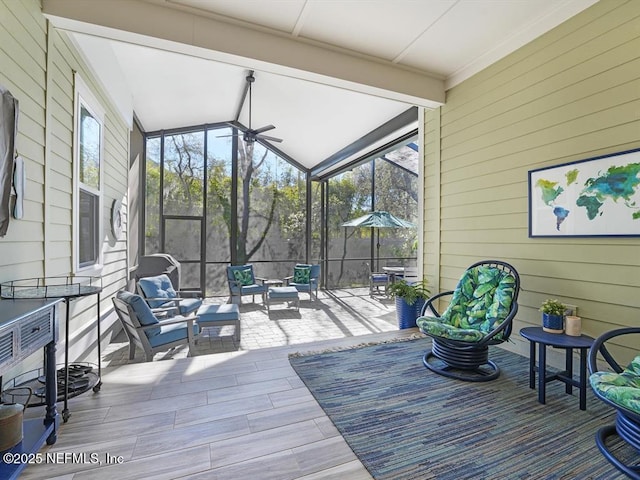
620	388
480	303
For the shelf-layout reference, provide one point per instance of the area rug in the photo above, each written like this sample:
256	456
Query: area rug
405	422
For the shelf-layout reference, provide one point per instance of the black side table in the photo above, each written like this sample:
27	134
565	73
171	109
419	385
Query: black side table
558	340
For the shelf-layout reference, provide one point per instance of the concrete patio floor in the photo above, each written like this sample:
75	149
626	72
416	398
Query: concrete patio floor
336	314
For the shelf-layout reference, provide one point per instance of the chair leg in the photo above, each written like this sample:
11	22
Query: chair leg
132	350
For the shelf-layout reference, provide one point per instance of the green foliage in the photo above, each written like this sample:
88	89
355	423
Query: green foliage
410	292
552	307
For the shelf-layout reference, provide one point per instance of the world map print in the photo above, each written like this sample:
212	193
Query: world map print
592	197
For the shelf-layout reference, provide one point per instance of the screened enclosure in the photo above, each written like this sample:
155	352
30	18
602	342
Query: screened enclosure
212	199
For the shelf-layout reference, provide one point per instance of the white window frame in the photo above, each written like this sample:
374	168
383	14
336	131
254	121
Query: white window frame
84	98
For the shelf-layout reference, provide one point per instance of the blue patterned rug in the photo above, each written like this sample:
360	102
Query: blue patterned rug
405	422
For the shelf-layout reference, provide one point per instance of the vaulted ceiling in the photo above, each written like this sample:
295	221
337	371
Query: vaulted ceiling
327	73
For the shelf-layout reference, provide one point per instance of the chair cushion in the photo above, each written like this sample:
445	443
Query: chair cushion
172	333
620	388
379	277
301	273
283	292
443	330
157	287
243	275
481	301
303	287
212	313
143	312
188	305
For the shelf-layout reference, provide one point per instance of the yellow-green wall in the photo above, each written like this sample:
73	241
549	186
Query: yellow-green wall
571	94
38	65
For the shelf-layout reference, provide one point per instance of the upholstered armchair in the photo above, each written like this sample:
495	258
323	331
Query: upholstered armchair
242	281
159	293
377	280
305	278
144	330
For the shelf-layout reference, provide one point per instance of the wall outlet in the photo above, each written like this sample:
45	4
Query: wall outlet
570	310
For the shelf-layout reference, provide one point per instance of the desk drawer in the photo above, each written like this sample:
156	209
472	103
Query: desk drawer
36	330
7	347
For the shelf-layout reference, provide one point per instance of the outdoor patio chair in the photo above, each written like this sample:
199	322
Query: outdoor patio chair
242	281
159	293
620	389
144	330
305	278
480	314
377	280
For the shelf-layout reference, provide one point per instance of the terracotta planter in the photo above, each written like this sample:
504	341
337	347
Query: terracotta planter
552	323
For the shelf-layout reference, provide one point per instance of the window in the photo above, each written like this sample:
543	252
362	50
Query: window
88	179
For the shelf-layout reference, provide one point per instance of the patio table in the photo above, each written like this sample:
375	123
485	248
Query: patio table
557	340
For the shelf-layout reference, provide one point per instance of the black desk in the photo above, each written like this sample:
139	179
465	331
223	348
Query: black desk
27	326
558	340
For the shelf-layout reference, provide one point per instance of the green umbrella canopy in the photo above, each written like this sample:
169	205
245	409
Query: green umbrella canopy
379	219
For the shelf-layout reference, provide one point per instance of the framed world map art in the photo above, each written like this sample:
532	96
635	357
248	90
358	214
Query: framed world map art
599	196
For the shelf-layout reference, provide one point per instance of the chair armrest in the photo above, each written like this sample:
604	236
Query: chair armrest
599	346
179	319
429	303
260	279
164	309
165	299
190	293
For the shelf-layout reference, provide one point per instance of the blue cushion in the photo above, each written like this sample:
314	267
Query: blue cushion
143	312
188	305
303	287
157	287
172	333
283	292
380	277
253	289
211	313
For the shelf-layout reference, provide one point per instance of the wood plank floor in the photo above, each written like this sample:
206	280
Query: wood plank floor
234	415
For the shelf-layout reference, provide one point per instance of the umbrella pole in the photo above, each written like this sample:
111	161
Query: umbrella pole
378	250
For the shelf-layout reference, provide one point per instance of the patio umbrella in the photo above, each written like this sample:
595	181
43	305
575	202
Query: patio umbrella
379	219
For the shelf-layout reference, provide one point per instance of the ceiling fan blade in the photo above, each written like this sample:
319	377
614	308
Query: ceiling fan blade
266	137
264	129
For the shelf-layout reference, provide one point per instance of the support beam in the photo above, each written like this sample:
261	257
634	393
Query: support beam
159	26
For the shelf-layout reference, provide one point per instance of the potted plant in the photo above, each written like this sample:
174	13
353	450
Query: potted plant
552	316
410	298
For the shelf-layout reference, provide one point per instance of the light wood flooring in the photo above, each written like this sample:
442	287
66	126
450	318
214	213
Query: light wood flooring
234	415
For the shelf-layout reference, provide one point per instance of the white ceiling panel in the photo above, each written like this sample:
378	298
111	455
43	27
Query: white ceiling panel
376	28
276	14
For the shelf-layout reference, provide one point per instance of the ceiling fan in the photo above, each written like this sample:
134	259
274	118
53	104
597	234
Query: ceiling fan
250	135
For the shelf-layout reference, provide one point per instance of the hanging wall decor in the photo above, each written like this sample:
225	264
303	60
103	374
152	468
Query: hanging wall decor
8	133
598	196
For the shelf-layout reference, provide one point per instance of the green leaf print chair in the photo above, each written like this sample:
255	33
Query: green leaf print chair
305	278
242	281
619	388
480	314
